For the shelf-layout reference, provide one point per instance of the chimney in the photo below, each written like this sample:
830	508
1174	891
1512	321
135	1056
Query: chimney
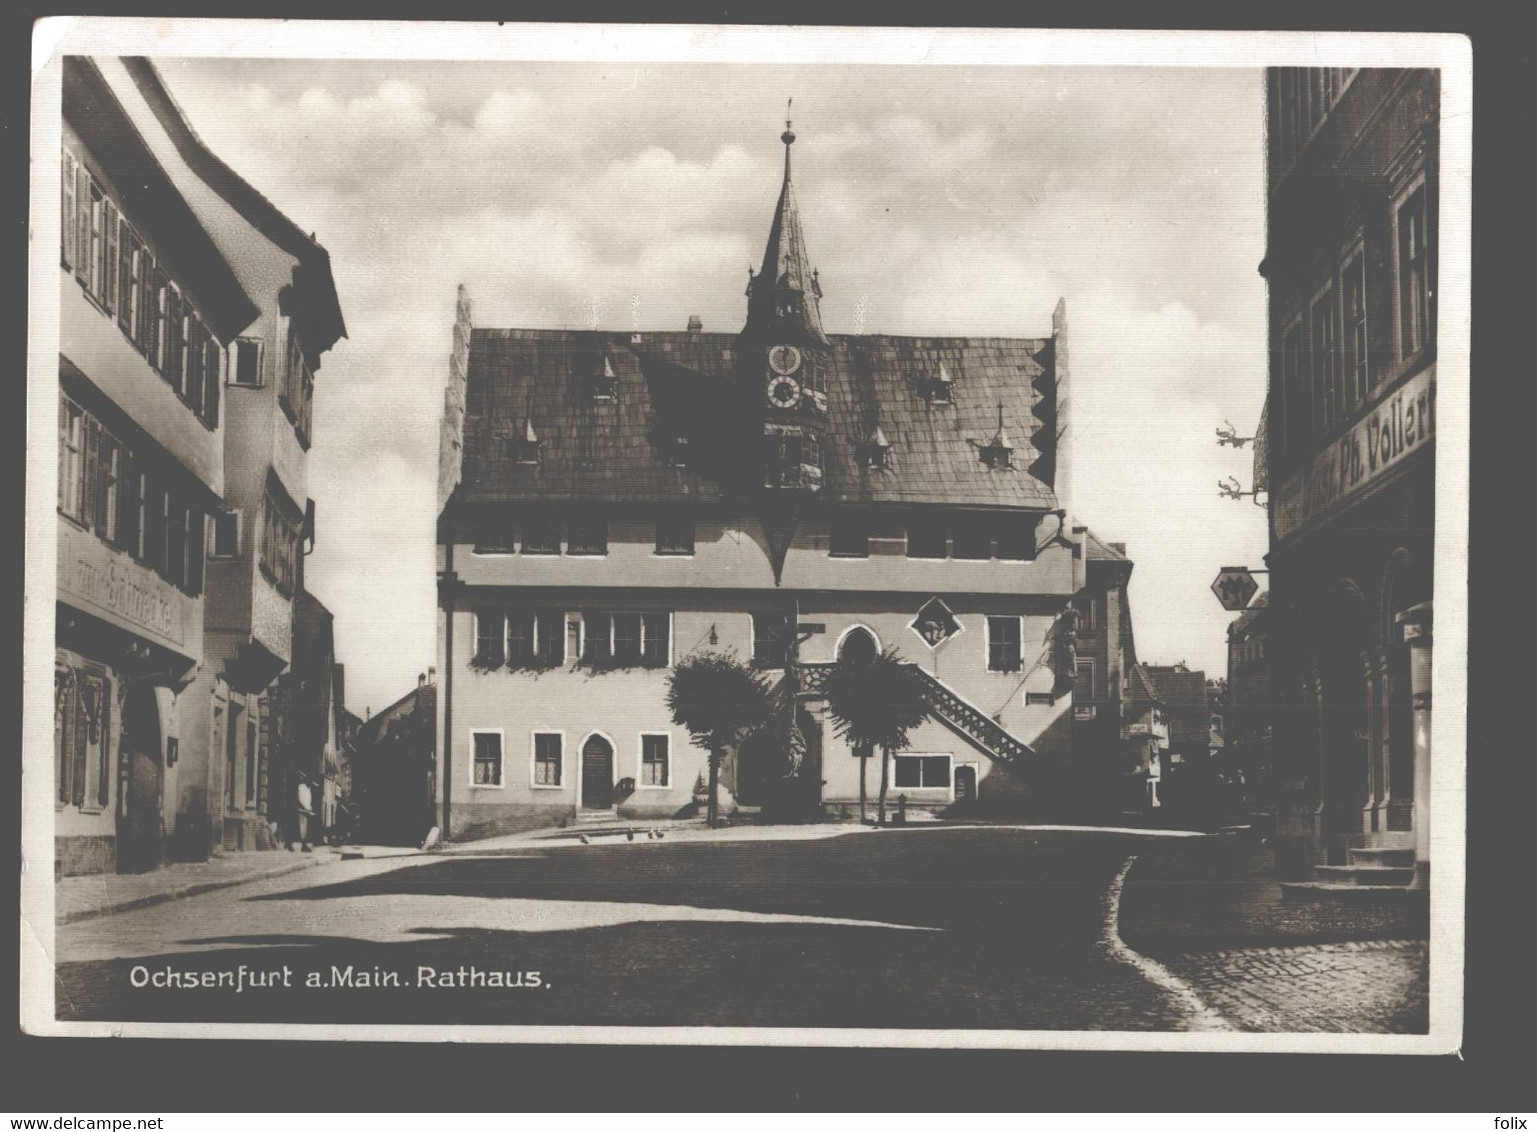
421	679
694	324
432	674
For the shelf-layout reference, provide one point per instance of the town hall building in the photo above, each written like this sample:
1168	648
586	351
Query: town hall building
611	502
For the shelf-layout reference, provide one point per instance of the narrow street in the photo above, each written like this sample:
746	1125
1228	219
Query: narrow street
916	928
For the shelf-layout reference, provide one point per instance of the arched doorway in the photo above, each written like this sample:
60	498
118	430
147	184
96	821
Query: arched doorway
138	812
965	784
597	773
858	645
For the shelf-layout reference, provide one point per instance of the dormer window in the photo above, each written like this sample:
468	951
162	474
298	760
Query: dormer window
876	451
525	448
938	387
603	381
998	452
676	452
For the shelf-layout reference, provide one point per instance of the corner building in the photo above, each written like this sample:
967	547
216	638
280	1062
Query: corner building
147	305
1350	450
611	502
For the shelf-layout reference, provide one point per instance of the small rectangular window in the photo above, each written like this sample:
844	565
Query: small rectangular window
490	637
848	537
655	639
547	760
627	638
541	535
1294	387
770	639
913	772
597	643
1413	275
1323	325
675	536
550	636
226	534
245	368
926	539
1353	295
973	539
1083	682
1016	539
1003	644
488	758
587	536
520	637
71	459
653	760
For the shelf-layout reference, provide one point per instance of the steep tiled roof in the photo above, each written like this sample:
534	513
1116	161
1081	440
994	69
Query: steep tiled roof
667	385
1183	694
1139	689
1101	551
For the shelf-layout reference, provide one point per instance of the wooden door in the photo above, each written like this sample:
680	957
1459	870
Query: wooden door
965	784
597	774
138	825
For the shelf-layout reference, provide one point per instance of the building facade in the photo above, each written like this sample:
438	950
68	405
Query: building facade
234	797
193	318
611	502
1351	265
1248	750
1118	730
393	780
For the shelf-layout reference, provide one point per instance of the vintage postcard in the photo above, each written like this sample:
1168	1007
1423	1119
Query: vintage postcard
751	535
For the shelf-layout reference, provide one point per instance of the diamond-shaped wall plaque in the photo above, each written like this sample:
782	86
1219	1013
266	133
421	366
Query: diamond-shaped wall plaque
935	624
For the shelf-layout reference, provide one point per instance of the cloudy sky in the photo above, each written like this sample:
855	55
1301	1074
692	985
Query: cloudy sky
936	200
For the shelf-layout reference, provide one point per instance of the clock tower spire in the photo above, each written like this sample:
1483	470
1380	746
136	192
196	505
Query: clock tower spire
784	297
783	359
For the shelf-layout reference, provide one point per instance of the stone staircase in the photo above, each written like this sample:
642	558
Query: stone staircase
1372	875
976	727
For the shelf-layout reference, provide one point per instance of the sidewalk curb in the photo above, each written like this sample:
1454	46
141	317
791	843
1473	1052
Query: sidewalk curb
197	888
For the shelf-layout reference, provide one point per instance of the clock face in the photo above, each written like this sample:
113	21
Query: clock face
784	359
783	392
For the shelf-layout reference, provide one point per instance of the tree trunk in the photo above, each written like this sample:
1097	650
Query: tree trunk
885	777
864	761
714	778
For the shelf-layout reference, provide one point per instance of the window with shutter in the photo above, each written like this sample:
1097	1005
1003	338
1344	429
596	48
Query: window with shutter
109	469
127	280
82	223
71	459
69	225
194	367
104	748
89	486
109	259
212	357
128	502
197	533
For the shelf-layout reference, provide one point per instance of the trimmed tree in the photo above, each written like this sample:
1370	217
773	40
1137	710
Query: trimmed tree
718	700
875	703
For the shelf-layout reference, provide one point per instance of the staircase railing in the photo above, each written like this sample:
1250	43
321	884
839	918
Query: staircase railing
979	729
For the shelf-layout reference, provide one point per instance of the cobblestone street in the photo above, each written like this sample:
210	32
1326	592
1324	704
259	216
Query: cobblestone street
1358	988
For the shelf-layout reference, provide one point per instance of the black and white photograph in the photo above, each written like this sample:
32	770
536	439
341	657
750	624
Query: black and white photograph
747	535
